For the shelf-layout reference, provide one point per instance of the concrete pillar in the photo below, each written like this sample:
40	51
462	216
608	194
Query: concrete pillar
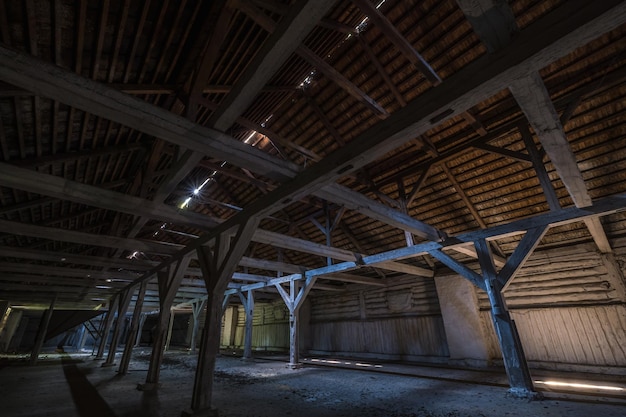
465	328
41	333
11	325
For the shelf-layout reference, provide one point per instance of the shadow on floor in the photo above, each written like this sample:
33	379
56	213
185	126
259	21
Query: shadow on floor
88	401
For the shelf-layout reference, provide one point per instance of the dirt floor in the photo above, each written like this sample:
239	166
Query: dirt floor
73	385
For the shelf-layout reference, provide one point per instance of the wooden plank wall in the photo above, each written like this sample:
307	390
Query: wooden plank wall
270	331
402	321
569	311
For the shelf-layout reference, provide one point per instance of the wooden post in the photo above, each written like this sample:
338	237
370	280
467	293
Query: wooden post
294	300
142	321
4	307
196	309
108	321
248	305
122	307
168	281
510	344
82	338
217	269
133	331
170	329
41	333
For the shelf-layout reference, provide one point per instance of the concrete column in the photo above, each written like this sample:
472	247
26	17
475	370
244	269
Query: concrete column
465	328
41	333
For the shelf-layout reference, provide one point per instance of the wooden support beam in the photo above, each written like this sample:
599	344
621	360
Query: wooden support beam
248	306
50	81
41	333
602	207
370	208
288	242
217	268
540	169
534	100
399	41
10	267
70	258
169	282
106	328
287	35
512	351
546	40
521	253
35	182
492	20
316	62
122	308
63	235
134	330
196	309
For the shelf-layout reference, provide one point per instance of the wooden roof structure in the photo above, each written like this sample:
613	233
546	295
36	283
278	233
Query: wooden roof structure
132	132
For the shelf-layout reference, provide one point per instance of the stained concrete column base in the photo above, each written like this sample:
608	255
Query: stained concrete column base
107	365
250	359
205	412
524	394
148	386
294	365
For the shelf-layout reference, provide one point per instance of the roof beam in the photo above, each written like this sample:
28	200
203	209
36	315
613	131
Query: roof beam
318	63
400	42
50	81
534	100
70	258
492	20
286	37
356	201
50	185
82	238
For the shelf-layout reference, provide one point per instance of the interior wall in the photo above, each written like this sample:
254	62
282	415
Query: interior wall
270	331
569	305
399	322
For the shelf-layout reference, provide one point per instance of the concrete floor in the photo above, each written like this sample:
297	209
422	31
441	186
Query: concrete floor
74	385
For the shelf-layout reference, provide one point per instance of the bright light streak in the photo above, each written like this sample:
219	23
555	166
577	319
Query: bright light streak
578	385
185	203
250	136
103	287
